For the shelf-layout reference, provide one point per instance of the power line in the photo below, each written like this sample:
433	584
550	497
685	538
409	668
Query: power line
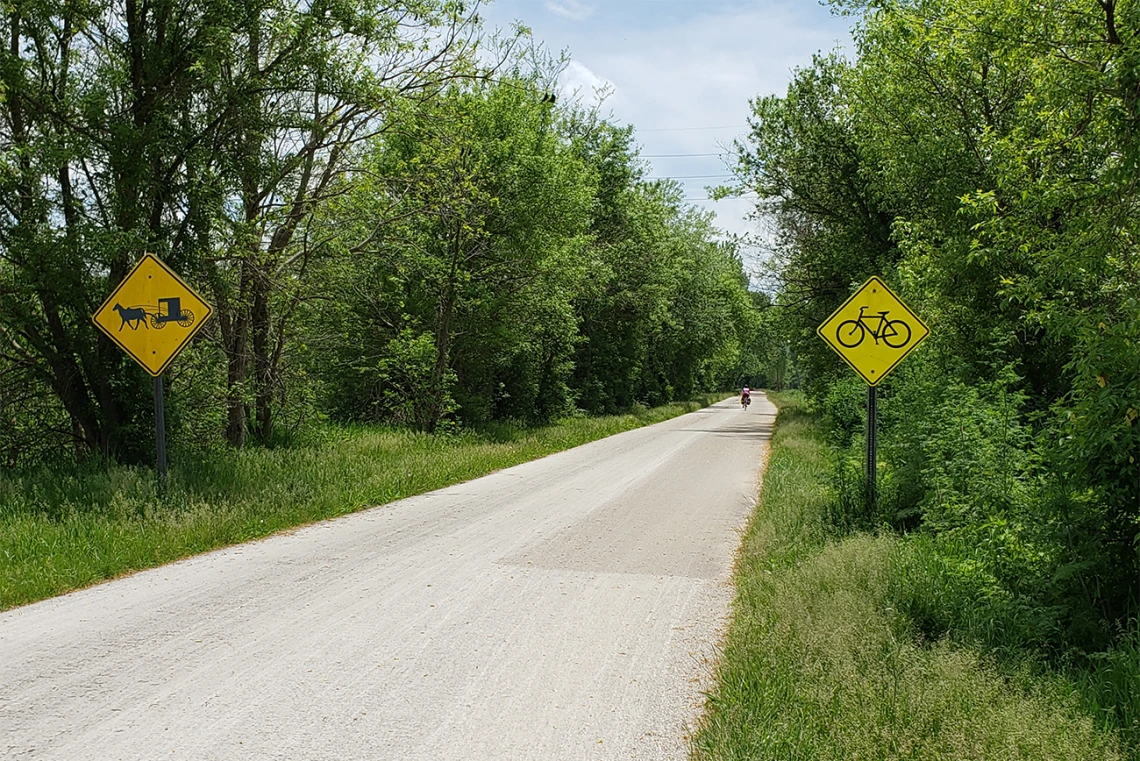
693	129
680	155
690	177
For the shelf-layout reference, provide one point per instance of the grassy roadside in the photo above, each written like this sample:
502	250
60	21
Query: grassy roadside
819	665
68	527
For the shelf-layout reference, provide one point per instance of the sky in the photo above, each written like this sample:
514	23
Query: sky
681	72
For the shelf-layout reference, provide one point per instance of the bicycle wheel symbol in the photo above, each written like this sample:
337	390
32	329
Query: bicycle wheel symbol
899	331
850	333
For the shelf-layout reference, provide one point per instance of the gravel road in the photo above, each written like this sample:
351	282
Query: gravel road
568	608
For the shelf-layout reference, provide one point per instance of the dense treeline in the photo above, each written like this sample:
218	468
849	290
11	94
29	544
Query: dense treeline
394	215
983	156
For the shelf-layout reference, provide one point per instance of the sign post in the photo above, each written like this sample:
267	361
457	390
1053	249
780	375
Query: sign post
873	331
159	430
872	447
152	316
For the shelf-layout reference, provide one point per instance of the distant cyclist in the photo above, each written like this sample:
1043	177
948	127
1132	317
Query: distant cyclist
745	398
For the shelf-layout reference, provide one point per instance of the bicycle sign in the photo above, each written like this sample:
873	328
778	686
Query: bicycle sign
152	315
873	331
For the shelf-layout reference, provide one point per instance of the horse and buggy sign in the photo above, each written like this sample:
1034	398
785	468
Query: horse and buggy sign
167	310
152	315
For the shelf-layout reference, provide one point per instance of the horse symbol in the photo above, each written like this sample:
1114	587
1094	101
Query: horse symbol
132	316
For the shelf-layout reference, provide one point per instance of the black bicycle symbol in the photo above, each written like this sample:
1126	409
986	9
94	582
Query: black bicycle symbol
894	333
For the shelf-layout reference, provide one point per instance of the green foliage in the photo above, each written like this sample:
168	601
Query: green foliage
474	276
833	229
951	584
826	658
1107	687
845	410
391	228
33	423
981	157
956	451
545	275
210	134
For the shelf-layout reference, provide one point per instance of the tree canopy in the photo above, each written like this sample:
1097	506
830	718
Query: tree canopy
982	157
395	219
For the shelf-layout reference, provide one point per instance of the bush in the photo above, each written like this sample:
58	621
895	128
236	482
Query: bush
844	410
952	584
1110	686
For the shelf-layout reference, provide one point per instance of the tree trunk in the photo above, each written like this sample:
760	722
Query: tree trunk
262	364
443	335
235	405
237	355
237	345
439	370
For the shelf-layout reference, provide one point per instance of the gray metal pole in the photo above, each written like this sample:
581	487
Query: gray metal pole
872	446
160	430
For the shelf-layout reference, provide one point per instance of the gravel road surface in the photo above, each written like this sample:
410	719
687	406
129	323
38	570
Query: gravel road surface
568	608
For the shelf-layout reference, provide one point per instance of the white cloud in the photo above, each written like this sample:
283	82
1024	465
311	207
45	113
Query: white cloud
578	80
678	67
673	81
703	72
575	10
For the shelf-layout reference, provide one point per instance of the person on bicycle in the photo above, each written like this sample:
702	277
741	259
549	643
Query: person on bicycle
745	397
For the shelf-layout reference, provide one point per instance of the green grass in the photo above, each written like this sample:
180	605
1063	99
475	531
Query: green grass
1108	686
67	527
819	665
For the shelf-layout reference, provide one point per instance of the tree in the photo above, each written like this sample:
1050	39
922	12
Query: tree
489	207
816	181
982	156
207	133
313	82
94	149
666	309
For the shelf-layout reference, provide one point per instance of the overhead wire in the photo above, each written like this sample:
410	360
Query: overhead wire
681	155
691	177
726	198
692	129
695	155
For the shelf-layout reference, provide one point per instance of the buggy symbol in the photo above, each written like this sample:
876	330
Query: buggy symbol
168	310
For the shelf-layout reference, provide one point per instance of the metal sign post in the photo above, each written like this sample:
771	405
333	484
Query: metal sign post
872	421
160	430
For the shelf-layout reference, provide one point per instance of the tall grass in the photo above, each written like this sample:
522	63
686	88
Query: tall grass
1108	686
818	664
68	526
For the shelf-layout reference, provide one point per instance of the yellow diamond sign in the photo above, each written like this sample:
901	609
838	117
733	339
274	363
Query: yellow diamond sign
152	315
873	331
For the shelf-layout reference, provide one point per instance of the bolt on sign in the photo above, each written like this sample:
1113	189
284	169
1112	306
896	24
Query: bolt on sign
873	331
152	315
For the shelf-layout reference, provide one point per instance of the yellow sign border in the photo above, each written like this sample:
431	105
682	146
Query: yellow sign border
874	279
126	279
